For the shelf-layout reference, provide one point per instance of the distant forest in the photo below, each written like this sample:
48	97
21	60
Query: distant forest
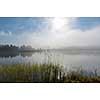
13	48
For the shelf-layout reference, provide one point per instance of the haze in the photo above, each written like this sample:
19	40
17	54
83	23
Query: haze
50	32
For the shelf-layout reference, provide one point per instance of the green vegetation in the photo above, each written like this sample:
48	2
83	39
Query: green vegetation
43	73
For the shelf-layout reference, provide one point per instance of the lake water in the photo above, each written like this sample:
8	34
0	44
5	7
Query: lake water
86	59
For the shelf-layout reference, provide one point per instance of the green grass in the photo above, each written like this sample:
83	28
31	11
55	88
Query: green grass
43	73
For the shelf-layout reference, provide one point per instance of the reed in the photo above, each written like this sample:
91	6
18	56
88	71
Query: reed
43	73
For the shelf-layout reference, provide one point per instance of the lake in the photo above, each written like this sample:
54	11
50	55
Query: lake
87	59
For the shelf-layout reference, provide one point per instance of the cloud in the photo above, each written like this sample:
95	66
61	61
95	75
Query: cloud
48	36
3	33
66	37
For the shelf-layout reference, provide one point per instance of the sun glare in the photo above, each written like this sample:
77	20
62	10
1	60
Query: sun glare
58	23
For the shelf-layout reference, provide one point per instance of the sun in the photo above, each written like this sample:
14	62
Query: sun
58	23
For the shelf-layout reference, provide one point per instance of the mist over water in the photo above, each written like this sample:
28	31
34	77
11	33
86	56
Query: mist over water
88	60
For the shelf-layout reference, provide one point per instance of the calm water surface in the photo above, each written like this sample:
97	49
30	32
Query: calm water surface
69	59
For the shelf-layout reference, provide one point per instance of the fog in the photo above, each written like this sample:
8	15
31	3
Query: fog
54	33
64	37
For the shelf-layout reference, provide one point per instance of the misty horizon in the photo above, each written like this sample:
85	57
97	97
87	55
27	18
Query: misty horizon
67	47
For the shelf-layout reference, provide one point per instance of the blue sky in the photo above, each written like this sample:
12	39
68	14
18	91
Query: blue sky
85	23
38	31
19	25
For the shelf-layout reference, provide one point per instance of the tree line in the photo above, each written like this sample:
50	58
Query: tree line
13	48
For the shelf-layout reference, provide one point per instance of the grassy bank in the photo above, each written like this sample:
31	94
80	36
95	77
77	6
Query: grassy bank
43	73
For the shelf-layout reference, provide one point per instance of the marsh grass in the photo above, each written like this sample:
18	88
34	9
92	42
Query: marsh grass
44	73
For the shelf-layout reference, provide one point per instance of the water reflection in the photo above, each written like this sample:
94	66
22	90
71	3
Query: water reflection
65	58
14	54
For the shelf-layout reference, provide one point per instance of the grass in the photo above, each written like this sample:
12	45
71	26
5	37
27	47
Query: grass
44	73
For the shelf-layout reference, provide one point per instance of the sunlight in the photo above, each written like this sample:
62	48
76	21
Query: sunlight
59	23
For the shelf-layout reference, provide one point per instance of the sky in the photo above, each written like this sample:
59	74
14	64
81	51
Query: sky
50	32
